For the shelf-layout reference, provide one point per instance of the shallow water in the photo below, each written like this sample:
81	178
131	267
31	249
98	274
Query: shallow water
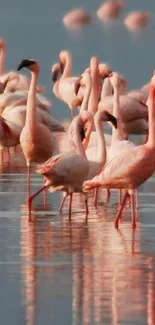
53	271
74	272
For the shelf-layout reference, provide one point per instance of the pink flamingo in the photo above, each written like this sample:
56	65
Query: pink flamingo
12	81
131	168
137	20
9	135
110	10
67	171
35	139
76	18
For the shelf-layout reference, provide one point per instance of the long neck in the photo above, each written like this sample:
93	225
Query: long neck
101	155
117	134
93	99
31	103
106	89
68	67
79	147
151	113
2	59
84	105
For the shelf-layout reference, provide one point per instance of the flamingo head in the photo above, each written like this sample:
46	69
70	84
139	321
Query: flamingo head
103	115
119	82
31	65
55	71
104	70
64	56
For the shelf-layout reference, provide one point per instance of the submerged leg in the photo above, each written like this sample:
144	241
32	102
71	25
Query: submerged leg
9	155
28	180
31	198
133	215
119	197
95	197
118	216
63	201
108	195
86	203
70	206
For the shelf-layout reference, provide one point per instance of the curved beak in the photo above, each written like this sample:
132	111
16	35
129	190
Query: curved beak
77	85
55	75
111	118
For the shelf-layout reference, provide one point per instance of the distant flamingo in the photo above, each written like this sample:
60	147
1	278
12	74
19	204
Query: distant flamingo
110	10
35	139
76	18
133	167
12	81
137	20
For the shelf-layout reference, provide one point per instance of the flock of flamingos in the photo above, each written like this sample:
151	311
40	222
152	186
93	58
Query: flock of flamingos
93	159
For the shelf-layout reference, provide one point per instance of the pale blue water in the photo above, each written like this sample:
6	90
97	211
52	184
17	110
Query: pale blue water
53	271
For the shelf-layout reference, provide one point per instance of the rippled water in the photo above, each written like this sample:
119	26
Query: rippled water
53	271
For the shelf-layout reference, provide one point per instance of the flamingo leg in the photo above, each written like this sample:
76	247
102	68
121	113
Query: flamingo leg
9	155
70	206
137	199
95	197
28	180
63	201
86	204
44	192
108	195
133	212
118	216
31	198
119	197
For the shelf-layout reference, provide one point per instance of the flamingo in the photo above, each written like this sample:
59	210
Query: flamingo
137	20
35	139
76	18
9	135
132	168
20	98
12	80
110	10
71	180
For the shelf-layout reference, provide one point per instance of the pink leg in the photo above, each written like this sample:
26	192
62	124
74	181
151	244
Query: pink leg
137	200
133	212
70	206
108	195
31	198
63	201
116	222
119	197
28	181
95	197
44	192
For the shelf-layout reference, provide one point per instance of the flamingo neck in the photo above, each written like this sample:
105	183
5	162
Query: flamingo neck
106	89
94	95
77	139
151	113
31	104
2	59
117	134
68	66
84	105
101	155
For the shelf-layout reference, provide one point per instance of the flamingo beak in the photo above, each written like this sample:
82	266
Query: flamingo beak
77	85
111	118
55	74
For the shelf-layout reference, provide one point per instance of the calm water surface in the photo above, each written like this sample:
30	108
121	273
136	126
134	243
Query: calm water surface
81	272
